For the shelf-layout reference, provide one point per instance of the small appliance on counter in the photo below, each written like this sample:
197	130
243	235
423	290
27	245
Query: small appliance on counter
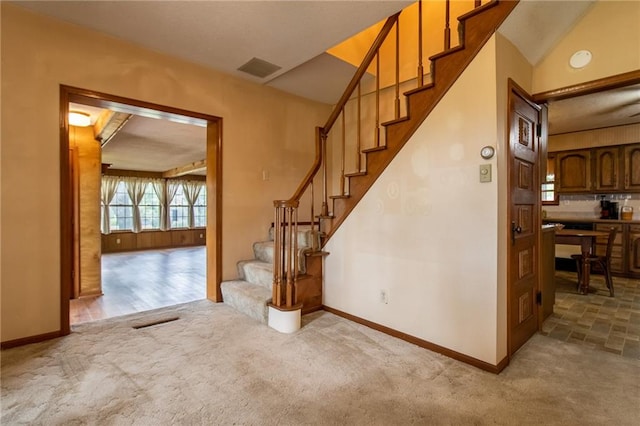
608	210
626	212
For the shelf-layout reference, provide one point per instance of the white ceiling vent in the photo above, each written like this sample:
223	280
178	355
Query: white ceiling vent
259	68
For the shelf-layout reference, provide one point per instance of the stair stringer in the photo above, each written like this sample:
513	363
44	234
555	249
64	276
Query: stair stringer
478	27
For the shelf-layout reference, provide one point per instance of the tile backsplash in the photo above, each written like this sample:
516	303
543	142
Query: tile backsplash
587	206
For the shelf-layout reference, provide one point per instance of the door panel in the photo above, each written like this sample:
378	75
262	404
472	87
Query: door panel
524	207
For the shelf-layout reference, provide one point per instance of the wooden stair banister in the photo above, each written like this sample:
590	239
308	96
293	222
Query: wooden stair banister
445	68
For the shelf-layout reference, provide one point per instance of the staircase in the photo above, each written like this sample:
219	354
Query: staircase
288	288
251	292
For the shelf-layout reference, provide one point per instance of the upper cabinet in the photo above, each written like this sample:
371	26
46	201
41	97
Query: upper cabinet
606	169
631	167
573	172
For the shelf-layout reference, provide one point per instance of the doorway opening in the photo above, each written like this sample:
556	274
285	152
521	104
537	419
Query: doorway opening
592	118
151	212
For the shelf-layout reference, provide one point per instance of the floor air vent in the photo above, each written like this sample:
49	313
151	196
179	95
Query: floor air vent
156	322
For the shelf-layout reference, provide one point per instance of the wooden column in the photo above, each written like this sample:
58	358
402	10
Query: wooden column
214	209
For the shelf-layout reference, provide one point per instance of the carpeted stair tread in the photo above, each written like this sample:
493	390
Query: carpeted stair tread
252	291
256	272
248	298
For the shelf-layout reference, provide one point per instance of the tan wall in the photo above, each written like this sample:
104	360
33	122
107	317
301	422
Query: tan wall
409	235
609	30
89	181
264	129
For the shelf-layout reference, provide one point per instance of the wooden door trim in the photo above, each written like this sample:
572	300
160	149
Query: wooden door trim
593	86
515	89
214	181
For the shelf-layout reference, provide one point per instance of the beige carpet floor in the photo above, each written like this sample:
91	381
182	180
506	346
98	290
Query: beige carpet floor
214	366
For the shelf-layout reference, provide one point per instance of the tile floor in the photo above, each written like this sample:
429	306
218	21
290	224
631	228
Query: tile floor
597	320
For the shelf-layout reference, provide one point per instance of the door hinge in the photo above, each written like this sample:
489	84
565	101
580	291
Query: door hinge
539	298
539	129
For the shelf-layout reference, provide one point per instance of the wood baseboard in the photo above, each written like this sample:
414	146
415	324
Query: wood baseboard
495	369
31	339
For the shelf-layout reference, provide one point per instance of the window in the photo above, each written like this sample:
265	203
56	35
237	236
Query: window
548	193
121	210
179	210
150	209
200	209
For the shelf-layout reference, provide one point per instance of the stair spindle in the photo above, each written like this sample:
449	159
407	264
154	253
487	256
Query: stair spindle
447	30
313	217
397	100
325	195
277	273
376	131
343	153
359	129
420	68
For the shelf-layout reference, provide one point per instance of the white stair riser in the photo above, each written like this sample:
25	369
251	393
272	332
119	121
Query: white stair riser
257	272
263	251
305	237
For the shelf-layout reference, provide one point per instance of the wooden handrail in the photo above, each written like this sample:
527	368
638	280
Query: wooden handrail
321	132
310	174
362	69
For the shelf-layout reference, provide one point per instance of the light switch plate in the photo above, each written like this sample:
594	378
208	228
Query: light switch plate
485	172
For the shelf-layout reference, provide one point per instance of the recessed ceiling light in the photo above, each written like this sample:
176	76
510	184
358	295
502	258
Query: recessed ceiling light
580	59
79	118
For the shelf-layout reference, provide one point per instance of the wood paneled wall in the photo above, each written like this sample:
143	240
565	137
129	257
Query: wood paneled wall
147	240
88	168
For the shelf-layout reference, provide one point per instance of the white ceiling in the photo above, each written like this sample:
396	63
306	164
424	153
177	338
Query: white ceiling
294	35
224	35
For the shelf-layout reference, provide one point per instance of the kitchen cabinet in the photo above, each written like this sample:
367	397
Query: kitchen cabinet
607	169
633	256
547	271
631	167
573	171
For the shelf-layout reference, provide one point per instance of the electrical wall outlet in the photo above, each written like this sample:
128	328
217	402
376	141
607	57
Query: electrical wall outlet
117	240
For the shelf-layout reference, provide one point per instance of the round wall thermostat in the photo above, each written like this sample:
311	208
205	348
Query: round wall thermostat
487	152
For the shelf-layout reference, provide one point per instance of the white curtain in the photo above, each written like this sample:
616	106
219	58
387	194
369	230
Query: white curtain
191	191
107	192
172	188
135	189
158	186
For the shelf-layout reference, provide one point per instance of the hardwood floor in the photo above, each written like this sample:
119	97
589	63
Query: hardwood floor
144	280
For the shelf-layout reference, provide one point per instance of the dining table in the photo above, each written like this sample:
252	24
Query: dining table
585	239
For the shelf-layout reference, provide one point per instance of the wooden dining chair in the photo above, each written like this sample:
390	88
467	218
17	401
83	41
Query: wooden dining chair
603	262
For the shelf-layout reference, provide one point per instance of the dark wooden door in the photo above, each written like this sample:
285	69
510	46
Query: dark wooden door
524	221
